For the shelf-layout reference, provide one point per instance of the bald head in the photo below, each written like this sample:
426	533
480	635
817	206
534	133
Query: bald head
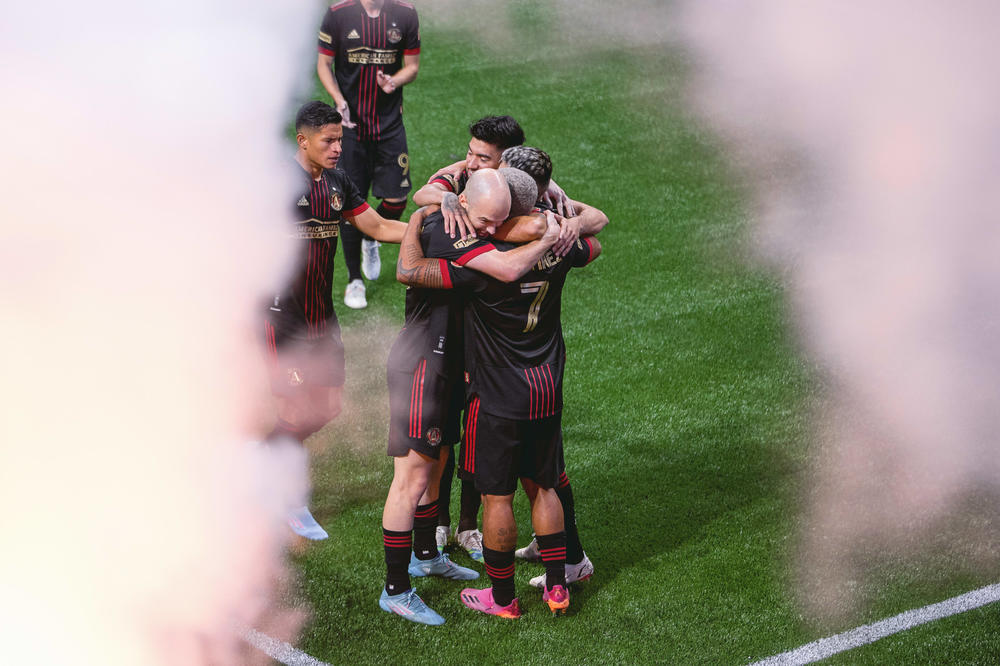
487	200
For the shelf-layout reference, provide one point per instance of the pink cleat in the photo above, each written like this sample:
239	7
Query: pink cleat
557	598
482	600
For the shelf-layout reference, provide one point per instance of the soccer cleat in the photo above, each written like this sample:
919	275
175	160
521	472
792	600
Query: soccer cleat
482	601
529	552
354	295
582	570
440	566
371	264
557	598
302	523
409	606
441	534
472	542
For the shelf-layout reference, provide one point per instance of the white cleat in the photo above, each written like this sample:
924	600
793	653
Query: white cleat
582	570
354	295
472	542
441	533
371	264
529	552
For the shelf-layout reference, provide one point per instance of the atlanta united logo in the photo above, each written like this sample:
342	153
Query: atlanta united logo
394	34
295	377
434	436
336	202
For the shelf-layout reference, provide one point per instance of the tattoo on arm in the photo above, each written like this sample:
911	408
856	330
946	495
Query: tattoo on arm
413	268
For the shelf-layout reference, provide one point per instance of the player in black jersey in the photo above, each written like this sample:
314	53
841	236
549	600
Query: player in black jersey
425	388
538	165
302	335
514	363
368	50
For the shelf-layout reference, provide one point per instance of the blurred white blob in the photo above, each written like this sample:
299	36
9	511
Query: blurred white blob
143	207
872	131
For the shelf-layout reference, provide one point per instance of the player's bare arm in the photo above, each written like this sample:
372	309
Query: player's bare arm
522	228
416	270
406	74
376	226
324	70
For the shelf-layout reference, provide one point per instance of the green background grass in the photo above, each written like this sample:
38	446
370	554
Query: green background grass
686	416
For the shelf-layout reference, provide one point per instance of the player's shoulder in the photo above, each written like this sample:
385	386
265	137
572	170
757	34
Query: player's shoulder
343	4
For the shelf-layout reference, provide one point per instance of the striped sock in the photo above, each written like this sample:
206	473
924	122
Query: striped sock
391	210
552	548
500	567
424	523
397	560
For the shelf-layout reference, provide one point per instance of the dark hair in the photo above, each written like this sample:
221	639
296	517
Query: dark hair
500	131
534	162
315	114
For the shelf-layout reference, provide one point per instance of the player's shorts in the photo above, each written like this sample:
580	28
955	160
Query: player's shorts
383	165
501	450
424	411
295	364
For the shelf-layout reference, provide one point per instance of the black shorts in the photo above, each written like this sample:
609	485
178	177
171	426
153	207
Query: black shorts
424	411
383	165
501	450
295	363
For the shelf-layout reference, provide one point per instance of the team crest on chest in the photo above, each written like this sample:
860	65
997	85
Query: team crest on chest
394	34
295	377
336	201
434	436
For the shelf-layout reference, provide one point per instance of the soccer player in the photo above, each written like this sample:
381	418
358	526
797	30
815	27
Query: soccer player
425	387
514	355
538	165
302	335
369	50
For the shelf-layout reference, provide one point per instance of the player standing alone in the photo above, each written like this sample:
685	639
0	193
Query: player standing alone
368	50
302	335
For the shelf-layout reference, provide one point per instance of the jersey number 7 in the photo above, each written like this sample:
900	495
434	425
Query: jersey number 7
539	289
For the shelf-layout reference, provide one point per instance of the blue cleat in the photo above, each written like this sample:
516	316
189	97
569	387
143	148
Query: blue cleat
440	566
303	524
409	606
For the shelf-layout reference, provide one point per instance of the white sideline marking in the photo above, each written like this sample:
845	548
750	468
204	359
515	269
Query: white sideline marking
280	651
869	633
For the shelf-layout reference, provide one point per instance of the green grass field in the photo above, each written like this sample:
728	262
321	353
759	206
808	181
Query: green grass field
686	418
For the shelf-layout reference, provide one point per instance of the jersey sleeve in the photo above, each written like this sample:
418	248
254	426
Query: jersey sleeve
354	203
457	277
582	252
327	42
447	181
459	250
411	40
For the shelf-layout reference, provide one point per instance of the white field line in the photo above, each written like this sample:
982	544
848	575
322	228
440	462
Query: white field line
869	633
280	651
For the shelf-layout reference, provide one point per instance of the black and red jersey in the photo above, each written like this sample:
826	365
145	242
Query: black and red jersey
361	46
451	183
514	349
304	307
433	328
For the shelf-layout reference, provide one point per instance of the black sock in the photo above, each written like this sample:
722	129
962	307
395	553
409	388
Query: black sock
397	559
444	490
574	550
391	210
500	567
350	241
468	517
553	550
424	522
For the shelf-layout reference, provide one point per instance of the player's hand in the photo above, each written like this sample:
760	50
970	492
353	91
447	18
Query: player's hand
569	232
552	229
345	113
455	217
555	197
385	82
